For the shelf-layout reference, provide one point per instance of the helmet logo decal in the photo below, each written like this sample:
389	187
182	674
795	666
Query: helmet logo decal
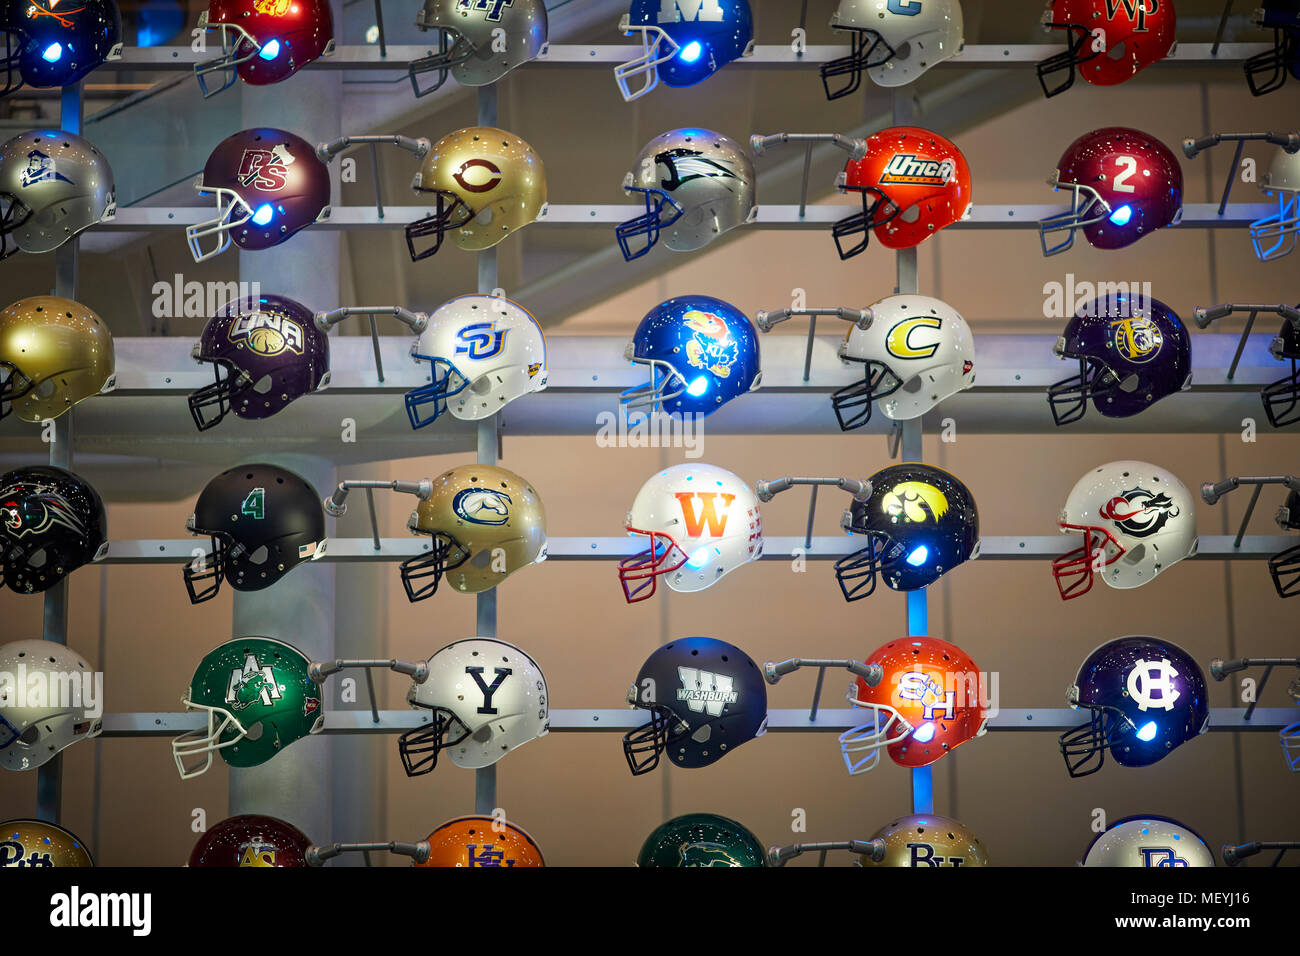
1135	10
908	169
1151	685
922	854
254	504
40	169
904	8
1161	856
481	340
485	184
35	10
706	853
251	684
899	340
1139	512
272	8
1137	339
488	856
492	10
675	11
711	346
265	169
686	165
268	333
915	501
704	691
45	509
257	854
488	690
482	506
928	692
707	513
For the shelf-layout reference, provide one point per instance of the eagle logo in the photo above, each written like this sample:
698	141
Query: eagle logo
915	501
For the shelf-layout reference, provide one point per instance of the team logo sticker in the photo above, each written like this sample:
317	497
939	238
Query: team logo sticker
481	340
706	692
908	169
907	341
265	169
27	509
252	684
685	165
710	346
272	8
477	175
1140	513
1137	339
491	9
267	333
915	501
1151	685
482	506
40	169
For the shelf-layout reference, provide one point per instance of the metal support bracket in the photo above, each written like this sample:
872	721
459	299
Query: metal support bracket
781	855
1193	147
318	855
326	153
1220	669
1211	492
873	674
418	671
855	148
766	321
1204	315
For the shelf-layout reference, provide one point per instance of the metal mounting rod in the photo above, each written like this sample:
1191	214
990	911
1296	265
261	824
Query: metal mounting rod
1233	854
1211	492
327	152
860	489
767	320
1204	315
780	855
337	503
1193	147
873	674
415	321
856	148
318	855
1220	669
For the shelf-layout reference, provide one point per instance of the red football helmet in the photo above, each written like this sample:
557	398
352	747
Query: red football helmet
913	183
1125	184
930	700
1108	40
268	184
264	41
251	840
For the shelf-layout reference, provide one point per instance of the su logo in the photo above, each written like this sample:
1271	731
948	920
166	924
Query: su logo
700	510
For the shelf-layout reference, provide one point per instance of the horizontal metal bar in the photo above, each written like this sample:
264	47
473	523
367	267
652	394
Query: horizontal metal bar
625	719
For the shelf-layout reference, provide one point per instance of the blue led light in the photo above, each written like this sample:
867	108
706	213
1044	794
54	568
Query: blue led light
925	733
698	387
265	213
701	557
53	53
691	52
1147	732
919	556
1122	215
270	51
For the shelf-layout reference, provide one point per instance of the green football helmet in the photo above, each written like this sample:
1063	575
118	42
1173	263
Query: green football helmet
258	698
701	839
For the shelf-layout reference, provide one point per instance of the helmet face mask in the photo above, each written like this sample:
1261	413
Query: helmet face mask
419	747
1284	567
1087	208
1275	236
1282	398
1107	42
422	574
1267	72
894	46
468	37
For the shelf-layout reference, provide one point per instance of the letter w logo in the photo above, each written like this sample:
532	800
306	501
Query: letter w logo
1135	10
707	513
697	685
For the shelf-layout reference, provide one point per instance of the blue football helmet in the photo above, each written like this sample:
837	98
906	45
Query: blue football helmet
701	353
44	45
1267	72
683	41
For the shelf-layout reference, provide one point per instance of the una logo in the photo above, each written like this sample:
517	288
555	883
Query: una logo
480	340
908	169
697	518
488	690
251	684
257	854
899	341
710	346
1135	10
492	8
674	11
915	501
1139	512
1161	856
267	333
927	692
272	8
705	853
704	691
487	175
27	509
1137	339
265	169
40	169
1151	685
482	506
686	165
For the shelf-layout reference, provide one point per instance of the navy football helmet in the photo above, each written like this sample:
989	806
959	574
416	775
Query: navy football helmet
705	698
1284	567
683	41
1282	398
1132	352
45	45
1267	71
1145	696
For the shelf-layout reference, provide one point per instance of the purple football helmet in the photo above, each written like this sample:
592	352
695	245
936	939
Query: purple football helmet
1282	398
1146	696
1132	351
271	352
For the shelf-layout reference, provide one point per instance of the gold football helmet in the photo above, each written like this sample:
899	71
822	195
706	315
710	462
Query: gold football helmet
486	523
486	184
925	840
53	353
33	843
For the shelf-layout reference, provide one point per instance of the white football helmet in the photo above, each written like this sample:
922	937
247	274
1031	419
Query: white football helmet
33	729
1148	841
487	697
483	352
895	41
1275	236
1136	519
917	351
700	522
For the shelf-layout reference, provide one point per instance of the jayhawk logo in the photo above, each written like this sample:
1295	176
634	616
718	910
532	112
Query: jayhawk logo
707	854
710	346
482	506
40	169
1140	513
267	333
1137	339
28	509
915	501
251	684
265	169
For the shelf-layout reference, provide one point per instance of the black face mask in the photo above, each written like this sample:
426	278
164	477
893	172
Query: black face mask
422	574
450	212
420	746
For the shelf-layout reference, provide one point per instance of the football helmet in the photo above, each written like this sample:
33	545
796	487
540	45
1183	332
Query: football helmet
267	184
1289	737
486	183
683	41
485	698
263	521
1124	185
271	353
700	352
1284	567
920	523
917	351
929	702
251	840
1136	519
258	698
1107	41
481	841
912	182
1132	351
1275	236
1267	71
35	843
54	353
484	524
701	839
893	42
1148	841
53	186
264	41
696	185
479	41
45	45
32	732
1282	398
704	698
51	523
1144	697
483	352
700	521
925	840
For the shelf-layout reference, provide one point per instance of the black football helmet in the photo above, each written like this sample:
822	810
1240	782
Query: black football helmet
51	523
1285	565
1282	398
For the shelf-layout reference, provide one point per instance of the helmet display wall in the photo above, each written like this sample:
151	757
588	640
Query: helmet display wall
508	424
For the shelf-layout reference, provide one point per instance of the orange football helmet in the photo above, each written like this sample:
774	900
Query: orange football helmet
913	183
930	700
481	841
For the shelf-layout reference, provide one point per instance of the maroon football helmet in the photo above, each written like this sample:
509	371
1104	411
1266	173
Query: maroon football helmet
268	184
264	41
1108	41
251	840
1125	184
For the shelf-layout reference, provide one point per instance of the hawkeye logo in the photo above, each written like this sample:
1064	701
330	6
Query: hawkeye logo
251	685
1137	339
899	342
915	501
1151	685
929	693
1135	10
908	169
705	692
265	169
267	333
697	518
675	11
